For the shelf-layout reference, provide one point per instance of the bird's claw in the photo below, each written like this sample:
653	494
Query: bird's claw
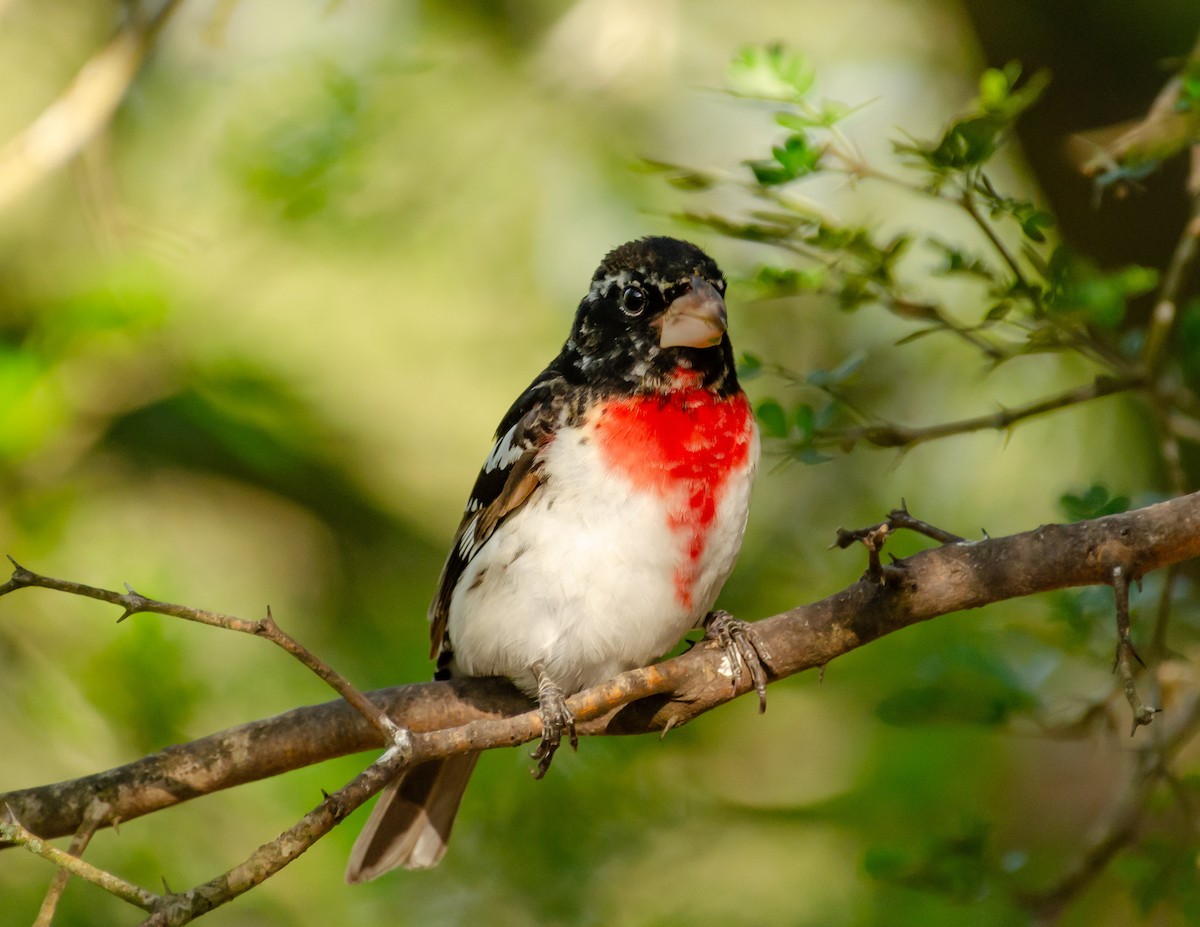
557	719
744	648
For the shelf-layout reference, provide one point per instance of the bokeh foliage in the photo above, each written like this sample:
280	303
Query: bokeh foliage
253	341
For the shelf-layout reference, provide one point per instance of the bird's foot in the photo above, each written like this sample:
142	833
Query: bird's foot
557	720
744	649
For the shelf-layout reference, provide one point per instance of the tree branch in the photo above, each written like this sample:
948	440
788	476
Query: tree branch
134	603
902	436
476	714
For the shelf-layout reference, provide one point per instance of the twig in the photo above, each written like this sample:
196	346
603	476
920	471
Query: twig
1142	713
83	109
92	820
1166	307
967	202
903	436
179	908
1124	819
875	536
132	602
12	831
897	519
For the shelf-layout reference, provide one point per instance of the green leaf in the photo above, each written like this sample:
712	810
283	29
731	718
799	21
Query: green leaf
1033	223
1093	502
749	366
682	178
993	88
970	140
838	376
795	158
772	419
811	456
1079	288
919	334
805	419
772	72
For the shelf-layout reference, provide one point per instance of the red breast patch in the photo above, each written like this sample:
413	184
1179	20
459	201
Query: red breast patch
682	446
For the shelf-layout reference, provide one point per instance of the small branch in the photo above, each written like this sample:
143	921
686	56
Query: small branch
1142	713
967	202
874	537
902	436
58	884
897	519
133	603
12	831
179	908
1166	307
1125	817
83	109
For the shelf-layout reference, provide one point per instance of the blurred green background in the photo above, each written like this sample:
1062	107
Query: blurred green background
253	342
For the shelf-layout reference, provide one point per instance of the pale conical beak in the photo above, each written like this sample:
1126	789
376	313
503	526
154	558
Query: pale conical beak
696	319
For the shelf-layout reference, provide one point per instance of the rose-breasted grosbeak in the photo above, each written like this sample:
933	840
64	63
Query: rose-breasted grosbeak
602	526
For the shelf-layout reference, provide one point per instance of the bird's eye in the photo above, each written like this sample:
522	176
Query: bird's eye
633	301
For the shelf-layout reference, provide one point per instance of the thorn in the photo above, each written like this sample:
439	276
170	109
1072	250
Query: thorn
166	887
324	795
125	614
667	727
984	532
16	566
821	673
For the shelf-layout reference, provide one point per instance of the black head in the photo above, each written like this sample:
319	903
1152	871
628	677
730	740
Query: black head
656	305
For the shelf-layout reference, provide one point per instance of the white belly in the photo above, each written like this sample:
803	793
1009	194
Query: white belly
585	578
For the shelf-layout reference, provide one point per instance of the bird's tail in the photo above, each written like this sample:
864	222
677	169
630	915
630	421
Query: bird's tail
411	823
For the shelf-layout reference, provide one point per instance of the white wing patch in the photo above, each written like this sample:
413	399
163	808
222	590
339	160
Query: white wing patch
468	544
505	453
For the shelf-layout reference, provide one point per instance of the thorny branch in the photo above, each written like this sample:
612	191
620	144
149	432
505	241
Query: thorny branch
58	884
466	715
900	436
176	908
133	603
874	537
1142	714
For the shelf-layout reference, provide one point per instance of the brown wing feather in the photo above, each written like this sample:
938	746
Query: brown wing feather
522	479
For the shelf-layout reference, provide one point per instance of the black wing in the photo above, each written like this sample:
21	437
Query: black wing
509	477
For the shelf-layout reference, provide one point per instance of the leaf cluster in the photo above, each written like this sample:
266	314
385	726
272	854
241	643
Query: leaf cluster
1032	295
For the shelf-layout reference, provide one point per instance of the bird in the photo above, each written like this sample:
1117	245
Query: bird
603	523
